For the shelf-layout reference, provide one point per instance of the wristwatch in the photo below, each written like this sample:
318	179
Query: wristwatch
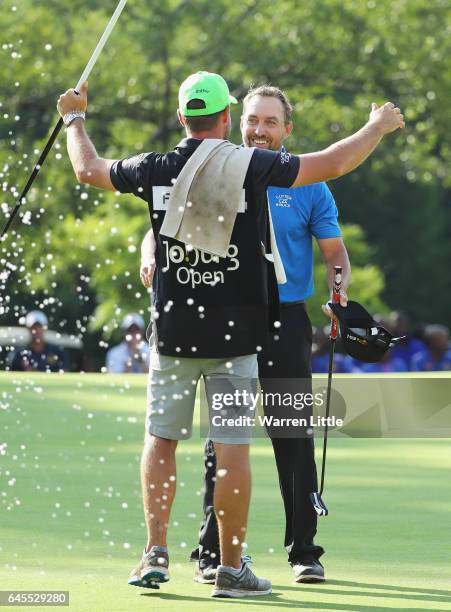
69	117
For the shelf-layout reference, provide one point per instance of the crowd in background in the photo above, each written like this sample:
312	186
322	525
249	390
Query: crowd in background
131	356
426	349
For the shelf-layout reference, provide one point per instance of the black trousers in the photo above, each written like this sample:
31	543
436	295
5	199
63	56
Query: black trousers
286	355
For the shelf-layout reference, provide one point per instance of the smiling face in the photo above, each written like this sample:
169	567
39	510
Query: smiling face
263	123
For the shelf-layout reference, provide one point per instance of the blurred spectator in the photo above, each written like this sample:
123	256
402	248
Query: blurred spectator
411	354
132	355
352	365
437	354
38	355
400	326
320	355
388	363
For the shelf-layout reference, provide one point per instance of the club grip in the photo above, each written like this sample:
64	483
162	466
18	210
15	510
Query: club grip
336	300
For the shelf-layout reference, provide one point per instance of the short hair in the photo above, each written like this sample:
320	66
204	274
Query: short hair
434	329
202	122
268	91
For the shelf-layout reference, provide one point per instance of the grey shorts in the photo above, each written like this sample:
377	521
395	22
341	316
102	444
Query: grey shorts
171	394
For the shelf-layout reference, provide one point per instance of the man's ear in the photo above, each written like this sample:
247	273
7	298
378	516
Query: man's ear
226	114
181	118
288	129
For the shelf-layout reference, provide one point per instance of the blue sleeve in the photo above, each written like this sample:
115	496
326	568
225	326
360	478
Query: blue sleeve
275	168
324	216
131	175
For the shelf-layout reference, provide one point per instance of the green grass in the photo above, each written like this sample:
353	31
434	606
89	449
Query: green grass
71	517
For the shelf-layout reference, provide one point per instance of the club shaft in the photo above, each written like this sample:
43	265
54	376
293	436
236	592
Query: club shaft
34	174
333	336
59	125
101	44
326	428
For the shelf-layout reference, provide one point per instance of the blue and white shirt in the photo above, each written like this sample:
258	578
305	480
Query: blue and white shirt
298	214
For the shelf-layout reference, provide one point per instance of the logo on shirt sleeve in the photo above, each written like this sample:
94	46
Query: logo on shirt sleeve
284	157
283	200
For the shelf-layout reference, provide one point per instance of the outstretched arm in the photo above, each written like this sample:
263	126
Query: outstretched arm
88	166
345	155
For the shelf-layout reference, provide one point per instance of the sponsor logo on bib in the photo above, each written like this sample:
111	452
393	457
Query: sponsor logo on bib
162	194
187	274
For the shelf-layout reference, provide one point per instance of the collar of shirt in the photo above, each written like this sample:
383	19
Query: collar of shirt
281	150
188	145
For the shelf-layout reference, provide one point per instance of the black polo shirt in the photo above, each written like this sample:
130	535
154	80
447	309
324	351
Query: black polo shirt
206	306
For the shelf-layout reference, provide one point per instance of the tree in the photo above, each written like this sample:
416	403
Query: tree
332	57
367	281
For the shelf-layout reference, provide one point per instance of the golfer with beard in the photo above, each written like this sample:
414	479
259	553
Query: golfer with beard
299	215
196	342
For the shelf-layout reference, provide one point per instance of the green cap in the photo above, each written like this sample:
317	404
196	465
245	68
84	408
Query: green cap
208	87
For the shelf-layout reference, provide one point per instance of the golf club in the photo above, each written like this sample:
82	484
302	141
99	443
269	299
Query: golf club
59	125
316	497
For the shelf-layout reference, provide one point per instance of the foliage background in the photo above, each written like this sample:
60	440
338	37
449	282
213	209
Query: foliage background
77	254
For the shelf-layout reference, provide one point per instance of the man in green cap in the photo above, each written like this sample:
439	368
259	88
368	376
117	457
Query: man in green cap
211	314
209	88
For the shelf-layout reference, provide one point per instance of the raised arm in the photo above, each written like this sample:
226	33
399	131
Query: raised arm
89	168
345	155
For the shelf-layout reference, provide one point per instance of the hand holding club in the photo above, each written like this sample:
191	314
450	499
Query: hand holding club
71	101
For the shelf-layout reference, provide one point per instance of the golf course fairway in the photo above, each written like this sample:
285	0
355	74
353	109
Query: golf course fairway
71	514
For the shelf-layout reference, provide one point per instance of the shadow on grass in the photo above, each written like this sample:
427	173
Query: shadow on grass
423	594
390	587
393	592
266	600
278	601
